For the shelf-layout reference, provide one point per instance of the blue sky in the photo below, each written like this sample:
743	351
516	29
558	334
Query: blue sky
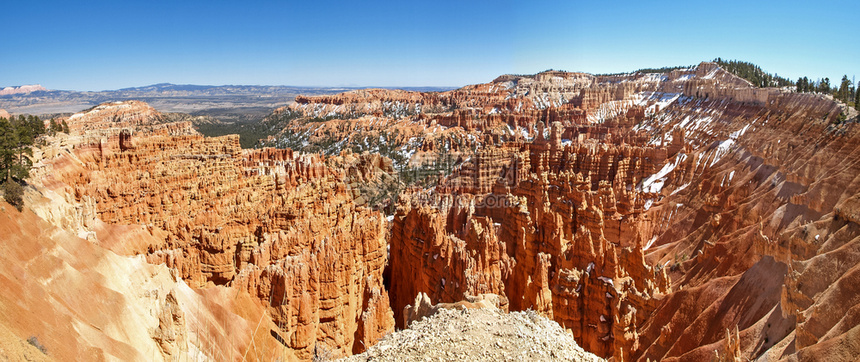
97	45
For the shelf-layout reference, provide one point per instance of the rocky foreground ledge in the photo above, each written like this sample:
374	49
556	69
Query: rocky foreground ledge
486	334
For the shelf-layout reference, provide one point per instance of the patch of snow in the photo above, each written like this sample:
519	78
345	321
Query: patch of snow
711	74
654	77
734	135
721	151
608	110
606	280
654	183
684	123
684	186
650	242
701	123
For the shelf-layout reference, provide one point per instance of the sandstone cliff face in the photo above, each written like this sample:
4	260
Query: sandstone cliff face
280	226
81	301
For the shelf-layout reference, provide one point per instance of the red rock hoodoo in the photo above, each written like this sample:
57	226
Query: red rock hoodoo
647	213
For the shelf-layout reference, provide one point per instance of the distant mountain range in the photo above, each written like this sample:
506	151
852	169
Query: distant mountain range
21	89
226	100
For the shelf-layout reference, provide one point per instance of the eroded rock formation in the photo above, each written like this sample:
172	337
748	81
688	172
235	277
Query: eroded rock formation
652	214
280	226
677	216
557	229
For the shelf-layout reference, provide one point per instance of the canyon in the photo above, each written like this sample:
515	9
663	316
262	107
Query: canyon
685	215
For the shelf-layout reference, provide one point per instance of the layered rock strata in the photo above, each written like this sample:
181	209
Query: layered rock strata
280	226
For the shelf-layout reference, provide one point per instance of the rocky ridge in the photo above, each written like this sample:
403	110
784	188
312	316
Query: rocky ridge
478	334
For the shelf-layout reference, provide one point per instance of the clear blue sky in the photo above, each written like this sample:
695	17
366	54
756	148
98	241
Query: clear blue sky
97	45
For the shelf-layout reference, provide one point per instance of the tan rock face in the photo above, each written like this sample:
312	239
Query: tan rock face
81	301
278	225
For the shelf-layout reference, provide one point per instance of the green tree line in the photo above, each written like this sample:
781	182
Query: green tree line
846	92
753	73
17	136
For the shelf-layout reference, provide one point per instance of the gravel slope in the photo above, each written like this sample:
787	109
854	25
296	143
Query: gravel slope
478	335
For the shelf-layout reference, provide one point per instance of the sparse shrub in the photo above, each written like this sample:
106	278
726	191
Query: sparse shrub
14	194
33	341
840	118
678	260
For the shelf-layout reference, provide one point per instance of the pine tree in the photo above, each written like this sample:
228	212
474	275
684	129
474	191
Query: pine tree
857	97
24	139
842	93
8	141
36	125
16	138
824	86
53	126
